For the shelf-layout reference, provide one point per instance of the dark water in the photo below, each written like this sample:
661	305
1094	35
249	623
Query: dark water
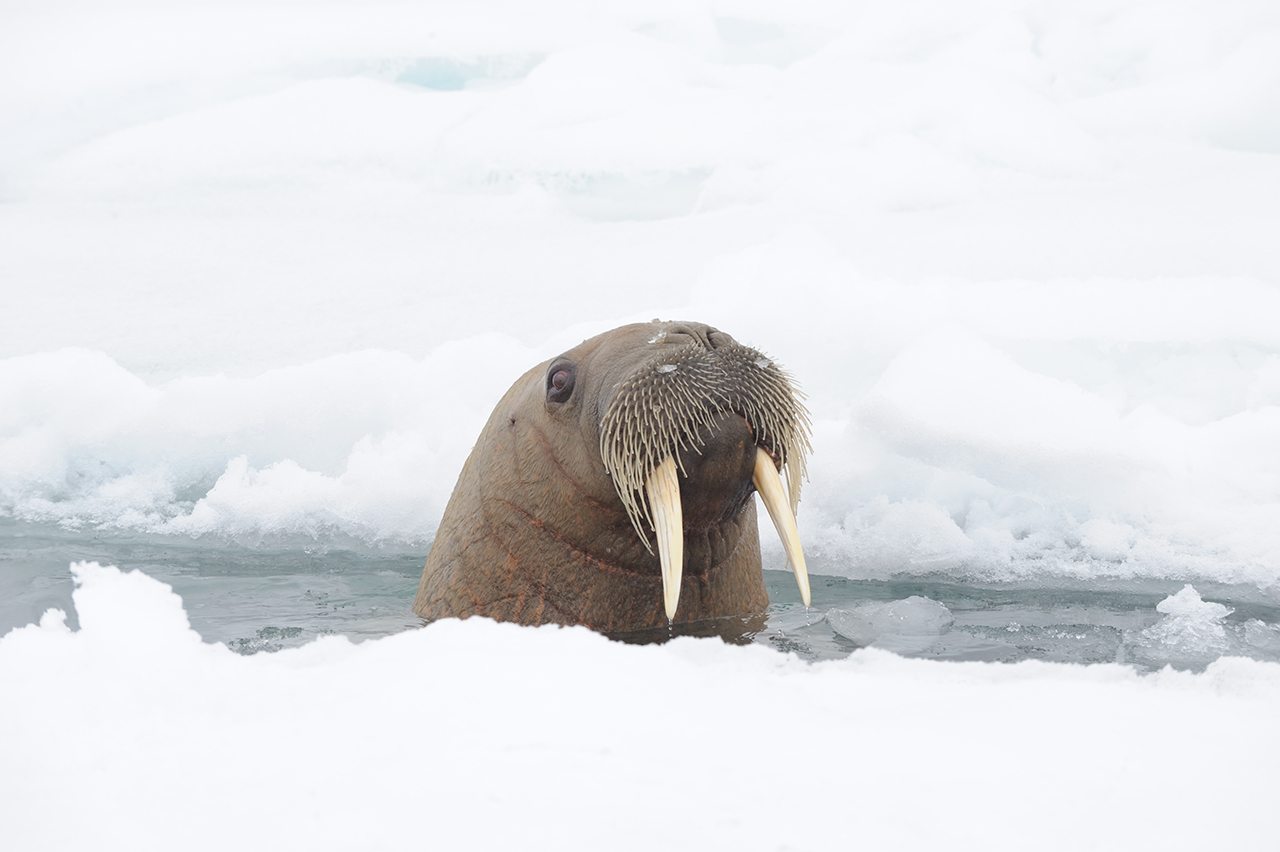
268	597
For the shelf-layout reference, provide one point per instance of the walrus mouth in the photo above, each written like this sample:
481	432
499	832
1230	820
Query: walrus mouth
669	405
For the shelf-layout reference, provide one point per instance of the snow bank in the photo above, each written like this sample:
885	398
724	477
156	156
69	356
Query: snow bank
131	733
265	268
956	456
367	444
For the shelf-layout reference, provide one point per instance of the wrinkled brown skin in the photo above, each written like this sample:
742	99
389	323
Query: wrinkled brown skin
535	533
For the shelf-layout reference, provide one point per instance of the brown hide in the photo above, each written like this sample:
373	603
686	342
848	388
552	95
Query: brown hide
535	531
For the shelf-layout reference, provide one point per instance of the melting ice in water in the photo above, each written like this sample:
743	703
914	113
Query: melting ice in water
256	599
1190	621
907	626
1193	631
1143	626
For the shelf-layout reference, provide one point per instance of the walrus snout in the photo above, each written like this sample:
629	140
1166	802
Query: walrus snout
692	404
717	476
699	333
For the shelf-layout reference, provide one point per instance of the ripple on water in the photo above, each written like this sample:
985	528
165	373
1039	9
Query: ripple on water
263	598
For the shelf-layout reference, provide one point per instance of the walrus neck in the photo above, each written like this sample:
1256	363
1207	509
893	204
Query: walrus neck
514	567
571	551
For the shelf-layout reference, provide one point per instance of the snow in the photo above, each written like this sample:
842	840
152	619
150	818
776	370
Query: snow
133	734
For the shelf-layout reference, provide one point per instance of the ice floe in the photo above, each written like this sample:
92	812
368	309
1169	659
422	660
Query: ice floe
132	733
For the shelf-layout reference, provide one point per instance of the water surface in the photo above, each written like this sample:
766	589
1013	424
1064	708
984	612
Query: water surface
275	595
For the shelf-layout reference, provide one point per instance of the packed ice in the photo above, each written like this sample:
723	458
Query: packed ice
131	733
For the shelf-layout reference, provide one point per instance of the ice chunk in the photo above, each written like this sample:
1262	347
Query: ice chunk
1187	604
1260	640
907	626
1191	631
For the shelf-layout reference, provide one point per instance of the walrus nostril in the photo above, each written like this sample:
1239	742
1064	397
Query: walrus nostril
699	333
719	339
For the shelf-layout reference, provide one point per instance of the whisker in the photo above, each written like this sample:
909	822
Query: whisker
670	402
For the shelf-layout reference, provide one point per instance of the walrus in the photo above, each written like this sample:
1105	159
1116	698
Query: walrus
611	487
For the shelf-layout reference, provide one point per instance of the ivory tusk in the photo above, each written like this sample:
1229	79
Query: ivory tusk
769	484
663	490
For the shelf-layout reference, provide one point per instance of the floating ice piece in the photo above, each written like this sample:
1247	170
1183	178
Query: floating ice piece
1191	630
908	626
1260	640
1188	604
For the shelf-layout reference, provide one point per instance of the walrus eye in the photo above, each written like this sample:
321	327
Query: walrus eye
560	382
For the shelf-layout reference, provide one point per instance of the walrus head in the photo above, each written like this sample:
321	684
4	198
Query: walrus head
611	486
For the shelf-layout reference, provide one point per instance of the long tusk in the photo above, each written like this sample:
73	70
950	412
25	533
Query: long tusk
769	484
663	491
